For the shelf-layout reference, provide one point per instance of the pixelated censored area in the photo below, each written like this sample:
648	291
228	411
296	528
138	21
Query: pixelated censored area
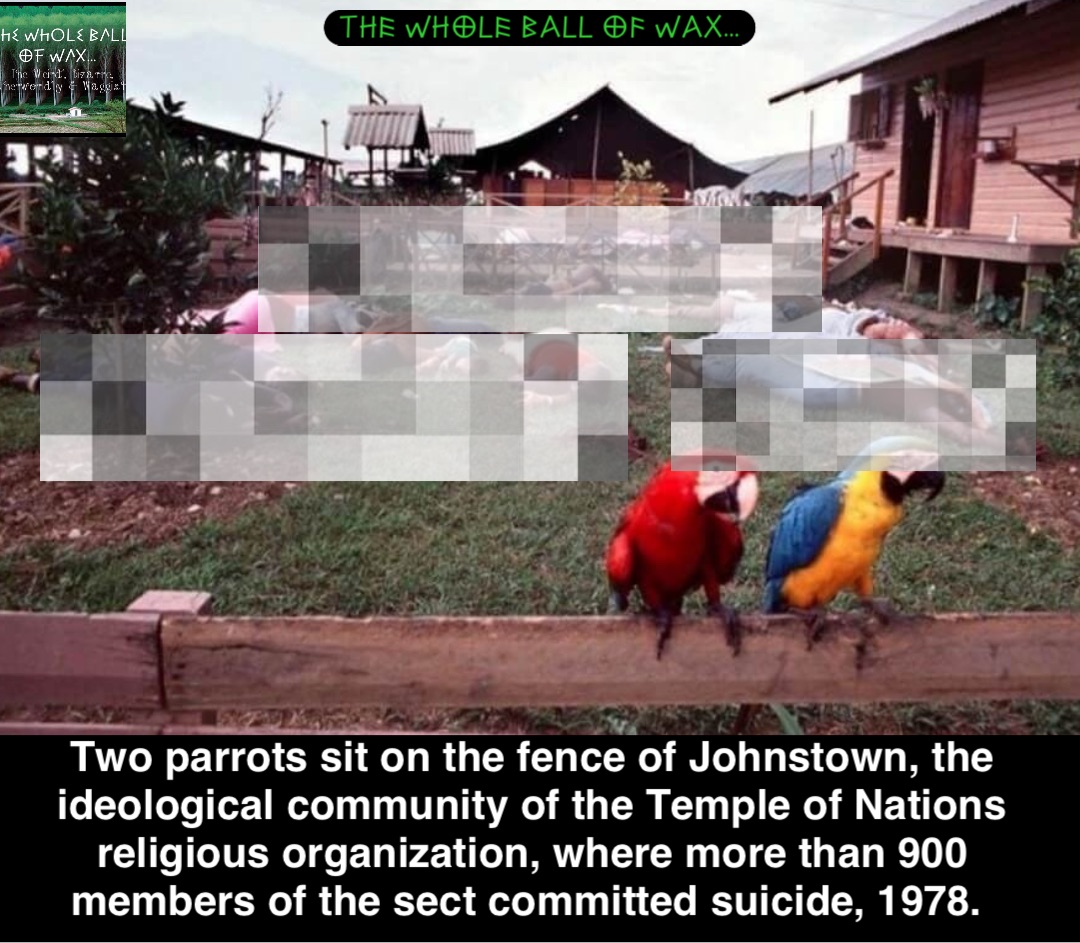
593	269
326	407
490	343
791	404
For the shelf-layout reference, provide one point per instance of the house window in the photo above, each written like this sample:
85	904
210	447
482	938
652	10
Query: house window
870	114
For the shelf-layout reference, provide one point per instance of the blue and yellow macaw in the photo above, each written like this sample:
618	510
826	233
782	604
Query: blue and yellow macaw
829	536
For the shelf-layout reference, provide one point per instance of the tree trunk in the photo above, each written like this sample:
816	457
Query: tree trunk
3	78
89	80
72	83
106	71
39	85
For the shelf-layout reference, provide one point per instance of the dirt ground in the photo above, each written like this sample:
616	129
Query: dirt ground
1046	500
97	514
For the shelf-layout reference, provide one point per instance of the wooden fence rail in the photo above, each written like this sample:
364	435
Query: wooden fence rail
175	662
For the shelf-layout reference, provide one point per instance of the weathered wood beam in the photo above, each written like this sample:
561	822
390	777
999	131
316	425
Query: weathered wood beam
947	283
913	273
160	602
533	661
79	660
35	729
209	663
987	279
1031	305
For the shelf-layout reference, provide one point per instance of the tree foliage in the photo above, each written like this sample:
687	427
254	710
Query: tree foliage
1058	326
118	235
636	186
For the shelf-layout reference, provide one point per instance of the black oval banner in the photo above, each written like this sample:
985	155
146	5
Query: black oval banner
519	27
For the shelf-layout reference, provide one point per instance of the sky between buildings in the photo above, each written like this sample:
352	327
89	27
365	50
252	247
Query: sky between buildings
219	55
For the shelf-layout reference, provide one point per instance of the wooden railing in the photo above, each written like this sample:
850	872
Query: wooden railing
166	656
839	212
518	200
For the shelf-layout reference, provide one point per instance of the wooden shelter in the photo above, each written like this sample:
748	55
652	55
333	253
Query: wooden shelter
582	146
382	128
972	127
252	146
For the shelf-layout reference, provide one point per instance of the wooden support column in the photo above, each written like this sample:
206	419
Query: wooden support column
913	272
170	602
947	282
1031	306
987	279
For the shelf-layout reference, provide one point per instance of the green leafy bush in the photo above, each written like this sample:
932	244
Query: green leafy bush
1057	329
995	311
119	236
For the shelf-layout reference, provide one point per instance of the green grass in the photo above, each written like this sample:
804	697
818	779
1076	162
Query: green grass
18	412
465	548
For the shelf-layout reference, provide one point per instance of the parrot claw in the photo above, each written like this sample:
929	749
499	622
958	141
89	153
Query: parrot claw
733	630
664	620
618	603
862	647
816	622
882	610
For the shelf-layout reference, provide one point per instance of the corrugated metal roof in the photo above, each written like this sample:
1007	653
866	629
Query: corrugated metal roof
386	126
963	19
453	142
230	140
790	173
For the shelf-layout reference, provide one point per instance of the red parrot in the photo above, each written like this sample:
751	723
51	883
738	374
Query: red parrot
682	532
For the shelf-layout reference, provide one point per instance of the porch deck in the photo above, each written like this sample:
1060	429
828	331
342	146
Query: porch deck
990	250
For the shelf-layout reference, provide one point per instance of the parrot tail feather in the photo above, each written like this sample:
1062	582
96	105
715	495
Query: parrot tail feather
774	601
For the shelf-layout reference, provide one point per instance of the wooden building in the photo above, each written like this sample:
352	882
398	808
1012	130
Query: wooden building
582	148
970	128
385	128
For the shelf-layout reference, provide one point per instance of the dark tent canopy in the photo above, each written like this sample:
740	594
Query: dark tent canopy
585	140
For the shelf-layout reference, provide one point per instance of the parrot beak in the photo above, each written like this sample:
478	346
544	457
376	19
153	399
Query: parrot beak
724	502
929	481
736	501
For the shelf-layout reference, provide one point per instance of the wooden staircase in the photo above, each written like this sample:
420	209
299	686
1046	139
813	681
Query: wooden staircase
845	249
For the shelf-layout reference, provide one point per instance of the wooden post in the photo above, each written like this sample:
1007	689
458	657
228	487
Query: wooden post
947	282
1031	306
987	279
596	143
826	247
281	176
879	212
913	272
172	602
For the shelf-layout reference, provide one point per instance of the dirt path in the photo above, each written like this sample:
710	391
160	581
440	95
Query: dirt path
96	514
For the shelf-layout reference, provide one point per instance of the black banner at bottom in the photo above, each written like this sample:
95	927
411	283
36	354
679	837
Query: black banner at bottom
481	838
